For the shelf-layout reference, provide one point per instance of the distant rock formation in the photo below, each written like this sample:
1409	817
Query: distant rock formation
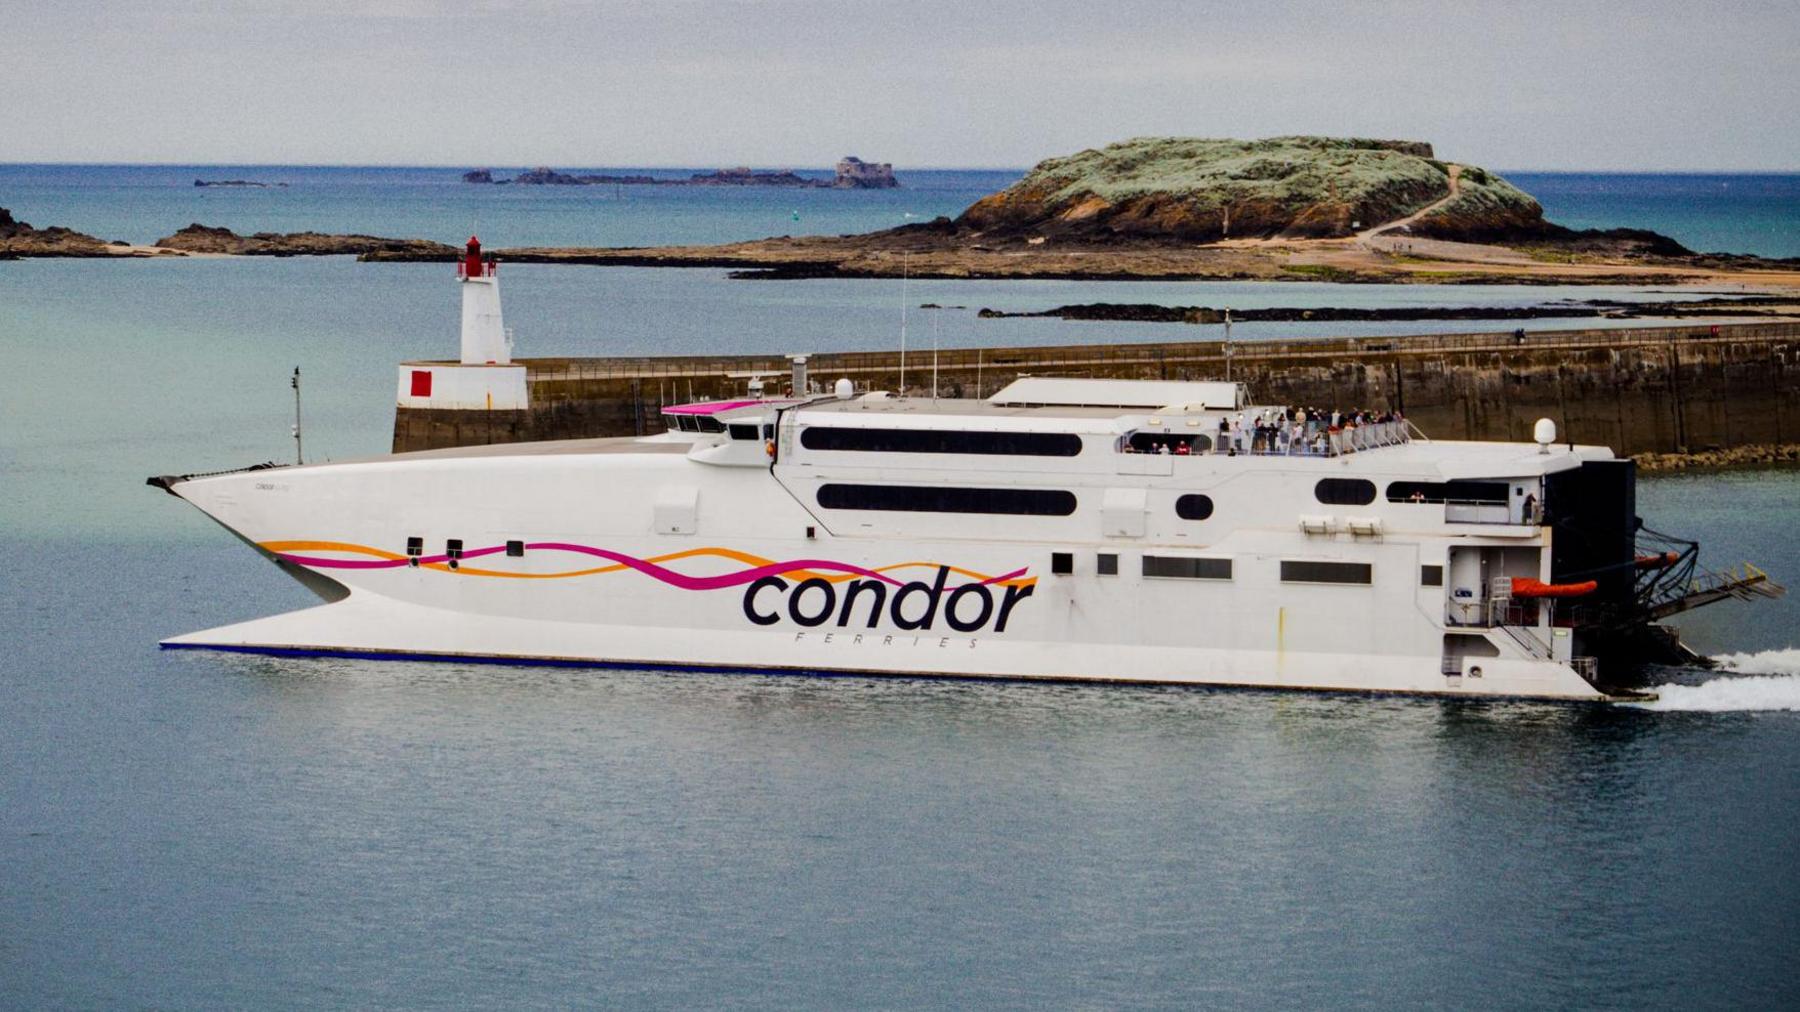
745	176
855	174
238	182
1203	190
197	238
852	174
20	239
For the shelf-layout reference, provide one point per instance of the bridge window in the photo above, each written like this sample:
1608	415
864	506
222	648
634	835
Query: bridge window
1039	502
1194	507
1327	572
1344	491
1187	569
741	430
1021	444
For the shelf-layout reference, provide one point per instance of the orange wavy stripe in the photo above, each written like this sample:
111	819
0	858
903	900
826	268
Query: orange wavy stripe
726	553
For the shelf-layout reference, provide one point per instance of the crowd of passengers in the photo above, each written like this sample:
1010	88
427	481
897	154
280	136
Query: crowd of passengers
1282	432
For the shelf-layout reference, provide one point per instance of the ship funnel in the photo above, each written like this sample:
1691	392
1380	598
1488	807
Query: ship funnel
484	337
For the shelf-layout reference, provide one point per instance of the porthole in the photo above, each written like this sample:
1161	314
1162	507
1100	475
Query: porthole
1194	507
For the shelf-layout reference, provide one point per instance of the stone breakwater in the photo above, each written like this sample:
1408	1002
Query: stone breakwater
1753	455
1654	390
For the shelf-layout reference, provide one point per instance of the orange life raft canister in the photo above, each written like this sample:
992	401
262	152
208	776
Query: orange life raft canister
1525	586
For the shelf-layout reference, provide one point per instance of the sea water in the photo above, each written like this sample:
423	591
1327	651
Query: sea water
213	831
1736	213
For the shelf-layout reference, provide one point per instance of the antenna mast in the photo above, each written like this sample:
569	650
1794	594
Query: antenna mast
902	325
934	350
299	456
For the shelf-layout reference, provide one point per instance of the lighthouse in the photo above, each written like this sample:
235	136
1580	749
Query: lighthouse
484	377
483	333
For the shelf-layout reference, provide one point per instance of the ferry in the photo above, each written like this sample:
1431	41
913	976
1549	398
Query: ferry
1061	529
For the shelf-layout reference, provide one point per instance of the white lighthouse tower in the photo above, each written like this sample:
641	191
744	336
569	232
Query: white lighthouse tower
483	333
485	378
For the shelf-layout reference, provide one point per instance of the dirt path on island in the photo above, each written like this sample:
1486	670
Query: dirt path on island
1455	171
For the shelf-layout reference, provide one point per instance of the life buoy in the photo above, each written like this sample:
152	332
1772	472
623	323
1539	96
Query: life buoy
769	448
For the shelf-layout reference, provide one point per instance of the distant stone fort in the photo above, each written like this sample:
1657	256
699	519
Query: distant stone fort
852	174
855	174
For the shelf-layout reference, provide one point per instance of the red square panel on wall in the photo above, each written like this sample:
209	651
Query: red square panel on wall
421	383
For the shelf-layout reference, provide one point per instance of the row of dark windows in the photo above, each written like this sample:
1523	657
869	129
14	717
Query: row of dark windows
694	423
1330	491
1031	502
1359	492
1488	492
1192	568
453	550
936	499
1019	444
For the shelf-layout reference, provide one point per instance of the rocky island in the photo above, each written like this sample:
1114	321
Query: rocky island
250	183
852	174
19	239
1281	208
198	238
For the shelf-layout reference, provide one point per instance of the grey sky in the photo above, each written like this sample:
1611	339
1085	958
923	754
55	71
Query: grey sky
1652	85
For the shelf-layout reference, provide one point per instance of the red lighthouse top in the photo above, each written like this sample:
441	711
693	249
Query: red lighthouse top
472	266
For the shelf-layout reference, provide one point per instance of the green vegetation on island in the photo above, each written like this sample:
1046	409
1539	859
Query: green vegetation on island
1200	189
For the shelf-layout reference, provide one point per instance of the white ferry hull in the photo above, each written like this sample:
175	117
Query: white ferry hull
374	628
609	589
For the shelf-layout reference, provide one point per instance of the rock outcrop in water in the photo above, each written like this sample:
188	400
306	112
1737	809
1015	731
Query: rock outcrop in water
197	238
1203	190
852	174
250	183
20	239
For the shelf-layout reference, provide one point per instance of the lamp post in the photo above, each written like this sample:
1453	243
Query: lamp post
1228	344
299	455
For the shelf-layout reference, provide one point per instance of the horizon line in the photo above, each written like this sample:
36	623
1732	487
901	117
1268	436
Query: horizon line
791	166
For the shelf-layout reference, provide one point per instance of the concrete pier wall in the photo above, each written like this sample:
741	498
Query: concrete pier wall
1637	390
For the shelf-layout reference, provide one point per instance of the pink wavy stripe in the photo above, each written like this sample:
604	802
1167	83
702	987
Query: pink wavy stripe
666	575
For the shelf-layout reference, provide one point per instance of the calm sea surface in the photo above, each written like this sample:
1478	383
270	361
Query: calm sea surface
190	830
